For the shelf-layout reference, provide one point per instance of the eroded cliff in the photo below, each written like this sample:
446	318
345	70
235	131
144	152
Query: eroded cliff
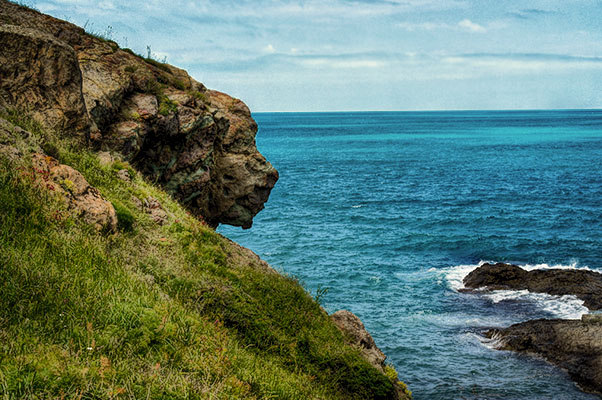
198	144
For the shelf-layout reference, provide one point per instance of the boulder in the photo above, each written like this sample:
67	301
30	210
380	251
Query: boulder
357	335
85	200
155	210
585	285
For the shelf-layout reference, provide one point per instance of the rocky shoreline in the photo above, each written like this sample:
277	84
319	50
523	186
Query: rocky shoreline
574	345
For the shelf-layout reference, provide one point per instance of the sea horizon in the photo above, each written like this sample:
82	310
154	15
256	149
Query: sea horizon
429	111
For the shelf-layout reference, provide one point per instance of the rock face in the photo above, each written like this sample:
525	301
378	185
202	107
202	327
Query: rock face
586	285
571	344
354	329
40	74
198	144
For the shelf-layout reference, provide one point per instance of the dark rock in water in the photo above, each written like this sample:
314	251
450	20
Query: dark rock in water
586	285
570	344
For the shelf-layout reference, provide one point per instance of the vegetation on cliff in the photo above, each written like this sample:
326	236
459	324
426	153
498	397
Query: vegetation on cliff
155	310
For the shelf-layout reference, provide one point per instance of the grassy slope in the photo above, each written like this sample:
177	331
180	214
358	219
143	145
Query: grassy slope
161	312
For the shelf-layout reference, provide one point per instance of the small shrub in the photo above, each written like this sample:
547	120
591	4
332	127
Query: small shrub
125	219
157	64
391	373
154	87
166	106
51	149
131	68
199	96
178	84
321	291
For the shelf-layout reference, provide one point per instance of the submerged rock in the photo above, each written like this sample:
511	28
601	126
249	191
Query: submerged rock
198	144
570	344
586	285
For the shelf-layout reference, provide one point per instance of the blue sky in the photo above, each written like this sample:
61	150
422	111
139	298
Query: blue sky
335	55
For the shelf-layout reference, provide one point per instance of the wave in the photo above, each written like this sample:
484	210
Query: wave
565	307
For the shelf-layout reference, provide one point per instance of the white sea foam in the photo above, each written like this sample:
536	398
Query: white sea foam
567	307
357	206
494	343
455	275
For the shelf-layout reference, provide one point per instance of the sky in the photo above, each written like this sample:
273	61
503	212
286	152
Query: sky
363	55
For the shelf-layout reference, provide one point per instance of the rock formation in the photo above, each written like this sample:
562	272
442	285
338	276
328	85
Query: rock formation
358	336
81	199
575	345
40	75
571	344
198	144
586	285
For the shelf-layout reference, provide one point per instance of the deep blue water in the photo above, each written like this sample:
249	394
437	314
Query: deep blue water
390	210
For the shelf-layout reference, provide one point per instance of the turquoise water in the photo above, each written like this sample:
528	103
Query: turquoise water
390	210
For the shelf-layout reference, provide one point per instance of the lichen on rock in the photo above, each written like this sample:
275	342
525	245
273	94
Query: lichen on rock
85	200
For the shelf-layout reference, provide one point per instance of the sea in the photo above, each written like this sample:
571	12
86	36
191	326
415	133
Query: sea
384	213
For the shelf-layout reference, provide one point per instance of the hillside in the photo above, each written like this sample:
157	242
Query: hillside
114	171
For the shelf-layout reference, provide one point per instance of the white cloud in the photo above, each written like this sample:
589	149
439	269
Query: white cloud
342	64
471	26
524	63
269	49
424	26
465	24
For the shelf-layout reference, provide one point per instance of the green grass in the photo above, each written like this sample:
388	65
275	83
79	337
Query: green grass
163	312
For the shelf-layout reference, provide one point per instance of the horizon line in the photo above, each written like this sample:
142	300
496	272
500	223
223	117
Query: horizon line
428	110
